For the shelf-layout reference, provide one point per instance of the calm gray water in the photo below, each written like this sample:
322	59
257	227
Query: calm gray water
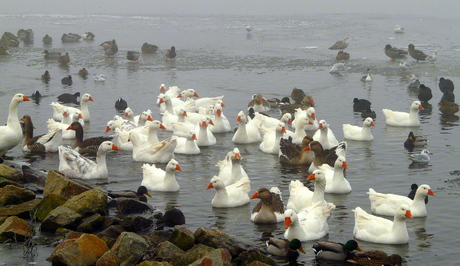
216	56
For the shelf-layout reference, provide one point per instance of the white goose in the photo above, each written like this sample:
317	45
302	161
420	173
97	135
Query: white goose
300	197
299	132
156	179
245	133
308	225
204	136
160	152
271	139
58	108
387	204
74	165
312	122
376	229
53	125
336	183
403	119
186	144
234	195
221	123
359	133
325	136
11	133
231	170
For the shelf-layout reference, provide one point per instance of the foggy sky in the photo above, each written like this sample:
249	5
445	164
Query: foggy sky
440	8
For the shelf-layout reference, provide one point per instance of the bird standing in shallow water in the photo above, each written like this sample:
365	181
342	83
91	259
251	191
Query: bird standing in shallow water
171	53
416	54
393	52
340	45
132	56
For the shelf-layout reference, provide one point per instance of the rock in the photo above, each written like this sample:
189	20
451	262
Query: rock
58	183
251	256
154	263
85	250
129	248
258	263
15	228
110	234
173	217
4	182
10	173
219	256
91	223
182	237
154	239
192	255
88	202
47	204
12	195
130	206
22	210
167	251
139	223
218	239
61	217
108	259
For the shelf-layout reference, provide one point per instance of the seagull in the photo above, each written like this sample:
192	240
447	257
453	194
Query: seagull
335	68
248	28
404	66
399	29
99	77
423	157
433	57
340	45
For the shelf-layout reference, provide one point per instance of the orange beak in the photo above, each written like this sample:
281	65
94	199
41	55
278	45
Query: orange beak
162	101
237	156
409	214
313	116
290	121
126	114
178	168
25	99
91	99
196	95
430	192
372	124
211	123
223	104
194	136
312	101
115	147
255	195
65	114
70	127
185	113
149	118
203	124
311	177
320	126
345	165
421	107
80	116
283	129
107	129
209	186
162	127
219	112
238	118
307	148
261	101
287	222
179	96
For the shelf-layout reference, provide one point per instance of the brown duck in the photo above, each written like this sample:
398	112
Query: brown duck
292	153
170	53
64	59
375	257
270	209
417	54
87	146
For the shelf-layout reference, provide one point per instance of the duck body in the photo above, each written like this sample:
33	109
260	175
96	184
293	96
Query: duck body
360	105
376	229
11	133
396	118
149	48
110	47
270	209
86	146
88	36
121	104
416	54
394	53
341	55
64	59
47	39
132	56
73	165
271	140
71	37
140	194
67	80
448	108
230	169
387	204
58	109
156	179
413	141
335	251
69	98
358	133
325	136
284	248
445	85
170	53
259	103
51	55
375	257
230	196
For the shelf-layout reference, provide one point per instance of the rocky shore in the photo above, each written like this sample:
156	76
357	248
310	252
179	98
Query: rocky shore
88	227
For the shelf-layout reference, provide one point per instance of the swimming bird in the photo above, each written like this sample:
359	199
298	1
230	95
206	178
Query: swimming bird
36	96
322	156
291	153
284	248
132	56
47	39
369	112
170	53
336	67
64	59
340	45
424	94
11	133
447	107
83	73
73	165
270	209
99	78
110	47
413	190
376	229
413	141
230	196
149	48
85	146
398	29
121	104
248	28
173	217
416	54
157	179
446	85
414	83
88	36
404	119
341	55
327	250
46	76
69	98
360	105
41	143
140	194
393	52
423	157
259	103
51	54
358	133
325	136
67	80
433	57
375	257
368	77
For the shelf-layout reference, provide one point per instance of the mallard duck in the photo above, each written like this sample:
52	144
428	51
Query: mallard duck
140	194
340	45
170	53
149	48
10	39
375	257
88	36
327	250
132	56
284	247
413	141
71	37
416	54
64	59
47	39
393	52
83	73
341	55
46	76
448	108
110	47
51	54
27	36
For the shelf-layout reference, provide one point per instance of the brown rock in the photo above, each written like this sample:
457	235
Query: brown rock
91	223
10	173
108	259
153	263
219	256
167	251
88	202
182	237
218	239
47	204
12	195
61	217
15	228
110	234
58	183
22	210
192	255
85	250
253	255
129	248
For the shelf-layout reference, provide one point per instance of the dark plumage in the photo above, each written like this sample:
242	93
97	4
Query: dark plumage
110	47
448	96
252	113
67	80
445	85
413	141
284	248
297	95
46	76
369	112
322	156
89	145
121	104
47	39
413	189
83	73
394	53
375	257
140	194
36	96
326	250
149	48
341	55
360	105
132	56
304	104
69	98
173	217
64	59
448	108
416	54
170	53
424	94
270	203
291	153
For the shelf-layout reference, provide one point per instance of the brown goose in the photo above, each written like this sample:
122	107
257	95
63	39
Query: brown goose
42	143
322	156
292	153
259	103
304	104
270	209
87	146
